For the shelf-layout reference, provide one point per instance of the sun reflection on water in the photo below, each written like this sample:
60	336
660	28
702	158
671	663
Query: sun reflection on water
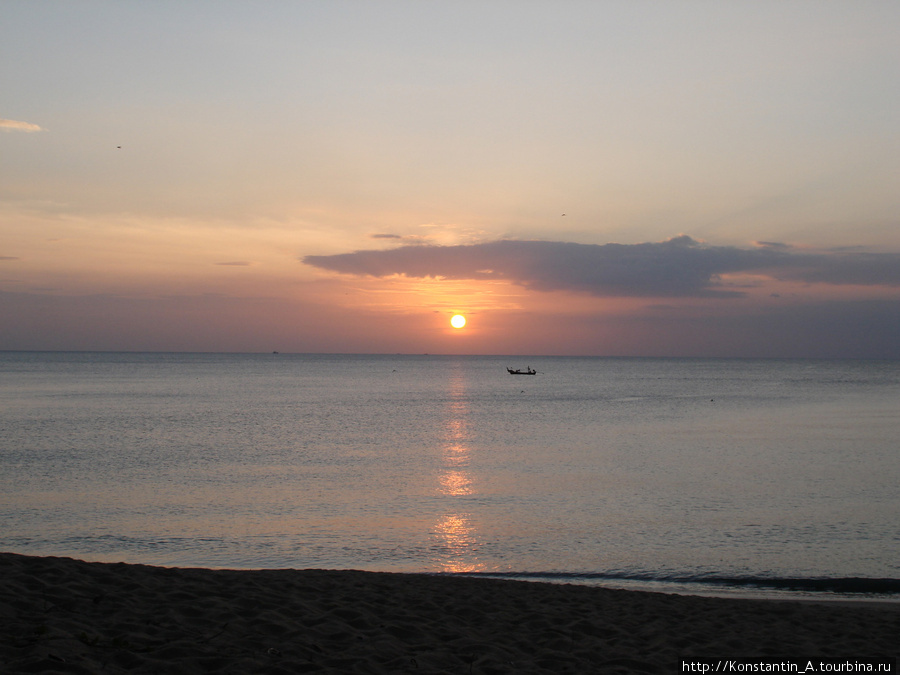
459	544
456	531
456	484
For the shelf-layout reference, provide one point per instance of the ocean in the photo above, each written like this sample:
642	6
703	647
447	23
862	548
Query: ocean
718	476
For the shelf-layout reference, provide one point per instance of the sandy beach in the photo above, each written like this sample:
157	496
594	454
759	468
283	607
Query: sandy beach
61	615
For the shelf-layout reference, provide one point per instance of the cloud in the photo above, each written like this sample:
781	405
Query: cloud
864	269
679	267
773	245
385	236
13	125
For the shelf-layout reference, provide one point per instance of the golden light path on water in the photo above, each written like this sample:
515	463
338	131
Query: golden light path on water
455	529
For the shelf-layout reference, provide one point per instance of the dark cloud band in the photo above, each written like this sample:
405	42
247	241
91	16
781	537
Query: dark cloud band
679	267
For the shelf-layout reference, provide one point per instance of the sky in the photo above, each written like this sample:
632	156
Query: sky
622	178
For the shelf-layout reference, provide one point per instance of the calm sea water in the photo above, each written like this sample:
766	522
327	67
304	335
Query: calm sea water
669	473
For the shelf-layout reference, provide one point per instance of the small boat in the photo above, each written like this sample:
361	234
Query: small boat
521	372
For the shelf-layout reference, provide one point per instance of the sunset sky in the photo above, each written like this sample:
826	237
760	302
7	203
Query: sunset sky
689	178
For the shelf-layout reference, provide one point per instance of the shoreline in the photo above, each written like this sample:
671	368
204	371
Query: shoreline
747	590
66	615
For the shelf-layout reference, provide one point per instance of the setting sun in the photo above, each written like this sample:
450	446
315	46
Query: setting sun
458	321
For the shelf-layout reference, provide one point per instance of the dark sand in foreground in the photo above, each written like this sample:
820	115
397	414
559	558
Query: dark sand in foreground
67	616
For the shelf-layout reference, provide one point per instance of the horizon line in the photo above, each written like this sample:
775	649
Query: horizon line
450	355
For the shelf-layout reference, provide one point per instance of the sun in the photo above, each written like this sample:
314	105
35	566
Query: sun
458	321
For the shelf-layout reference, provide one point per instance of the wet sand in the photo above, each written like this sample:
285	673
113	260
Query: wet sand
59	615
